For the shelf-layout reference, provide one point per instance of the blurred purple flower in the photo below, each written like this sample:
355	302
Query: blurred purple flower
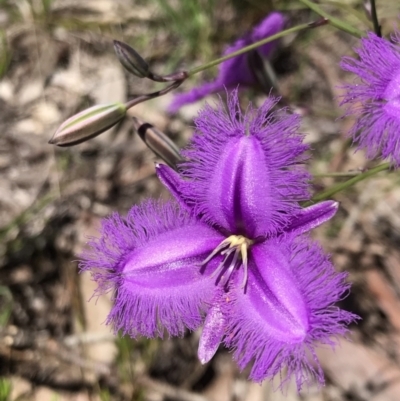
235	71
233	249
375	98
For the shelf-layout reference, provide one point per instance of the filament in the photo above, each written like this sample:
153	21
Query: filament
238	245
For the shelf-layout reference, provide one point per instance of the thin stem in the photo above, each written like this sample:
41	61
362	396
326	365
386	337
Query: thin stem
374	15
343	185
336	22
350	10
250	47
143	98
176	76
344	174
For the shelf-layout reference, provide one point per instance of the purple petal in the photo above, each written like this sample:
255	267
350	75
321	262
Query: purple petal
374	98
173	182
269	26
194	95
239	197
152	262
213	330
235	71
288	306
311	217
243	171
274	295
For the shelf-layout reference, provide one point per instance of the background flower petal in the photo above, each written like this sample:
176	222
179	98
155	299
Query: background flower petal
269	26
235	71
373	97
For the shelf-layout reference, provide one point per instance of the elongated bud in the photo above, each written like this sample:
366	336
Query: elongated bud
88	124
131	59
158	142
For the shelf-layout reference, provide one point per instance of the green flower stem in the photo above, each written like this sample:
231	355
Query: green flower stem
336	22
343	185
143	98
249	48
345	174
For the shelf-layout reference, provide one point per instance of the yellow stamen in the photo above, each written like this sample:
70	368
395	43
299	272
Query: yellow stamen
237	244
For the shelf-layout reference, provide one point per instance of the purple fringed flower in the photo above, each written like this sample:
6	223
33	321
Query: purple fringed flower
232	250
235	71
375	98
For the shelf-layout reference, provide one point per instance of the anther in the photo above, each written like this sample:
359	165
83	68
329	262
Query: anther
243	250
234	243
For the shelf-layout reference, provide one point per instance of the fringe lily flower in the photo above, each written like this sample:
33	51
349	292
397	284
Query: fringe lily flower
374	98
235	71
232	252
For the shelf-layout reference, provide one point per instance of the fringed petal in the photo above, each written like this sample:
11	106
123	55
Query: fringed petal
152	261
276	322
373	98
243	171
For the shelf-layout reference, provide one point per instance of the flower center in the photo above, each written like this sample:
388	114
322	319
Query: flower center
234	249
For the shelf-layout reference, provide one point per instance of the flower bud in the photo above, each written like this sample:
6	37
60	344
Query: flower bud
88	124
158	142
131	60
